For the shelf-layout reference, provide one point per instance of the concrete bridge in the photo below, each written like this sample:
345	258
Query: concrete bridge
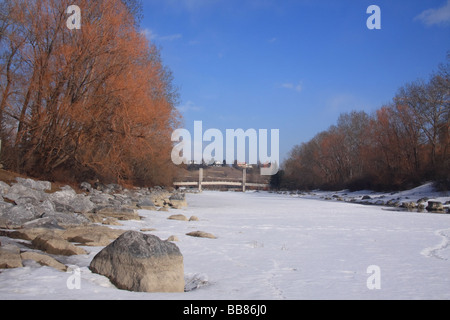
200	183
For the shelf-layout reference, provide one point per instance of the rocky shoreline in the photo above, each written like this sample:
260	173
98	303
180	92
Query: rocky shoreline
59	223
420	199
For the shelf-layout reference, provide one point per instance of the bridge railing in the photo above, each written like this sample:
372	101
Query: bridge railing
200	183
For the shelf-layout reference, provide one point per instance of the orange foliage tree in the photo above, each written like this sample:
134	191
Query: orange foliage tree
94	103
402	145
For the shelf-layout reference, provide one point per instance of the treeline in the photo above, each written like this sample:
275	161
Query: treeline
94	103
401	145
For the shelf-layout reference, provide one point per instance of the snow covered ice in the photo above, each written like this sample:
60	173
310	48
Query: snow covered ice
275	246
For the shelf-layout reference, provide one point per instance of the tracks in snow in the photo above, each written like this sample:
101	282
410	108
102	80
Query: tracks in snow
435	252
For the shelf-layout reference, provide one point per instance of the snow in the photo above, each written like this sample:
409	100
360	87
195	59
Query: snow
275	246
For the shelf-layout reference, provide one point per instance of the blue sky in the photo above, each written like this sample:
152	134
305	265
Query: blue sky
292	65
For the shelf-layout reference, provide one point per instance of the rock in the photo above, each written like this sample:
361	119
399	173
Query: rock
67	200
146	204
44	223
32	233
125	200
5	205
110	221
194	218
196	281
36	185
66	219
201	234
141	263
55	244
86	186
99	186
159	196
424	199
114	187
25	200
10	257
178	201
366	198
44	207
409	205
119	213
173	239
18	191
82	204
101	198
435	206
43	260
179	217
14	217
94	236
393	203
4	188
61	207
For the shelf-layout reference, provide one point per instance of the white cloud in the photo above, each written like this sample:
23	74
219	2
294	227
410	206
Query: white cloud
170	37
292	86
190	5
152	36
189	106
436	16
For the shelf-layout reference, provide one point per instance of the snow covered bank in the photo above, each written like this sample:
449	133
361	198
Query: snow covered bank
272	246
416	198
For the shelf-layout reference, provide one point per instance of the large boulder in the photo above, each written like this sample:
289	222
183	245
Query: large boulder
141	263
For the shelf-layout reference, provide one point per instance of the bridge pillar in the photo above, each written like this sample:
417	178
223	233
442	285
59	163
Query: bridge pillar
244	179
200	179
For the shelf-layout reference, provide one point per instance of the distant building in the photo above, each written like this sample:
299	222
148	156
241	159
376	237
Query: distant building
244	165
